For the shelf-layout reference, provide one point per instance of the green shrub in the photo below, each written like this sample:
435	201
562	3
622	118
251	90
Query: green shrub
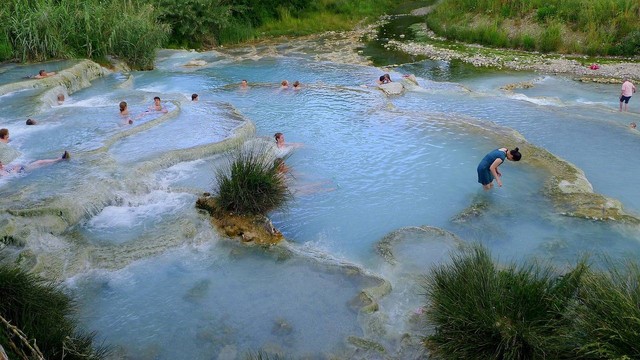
6	50
528	43
481	311
551	39
629	45
606	319
252	184
42	312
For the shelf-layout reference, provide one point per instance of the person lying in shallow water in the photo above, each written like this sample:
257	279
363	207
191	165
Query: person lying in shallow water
18	168
43	74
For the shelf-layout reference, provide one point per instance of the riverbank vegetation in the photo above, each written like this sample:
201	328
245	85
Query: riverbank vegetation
36	320
253	183
481	310
591	27
38	30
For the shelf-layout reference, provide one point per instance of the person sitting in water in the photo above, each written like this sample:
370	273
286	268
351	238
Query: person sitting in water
31	122
488	167
282	147
157	106
18	168
244	84
632	126
296	85
384	79
43	74
60	98
194	97
284	84
124	112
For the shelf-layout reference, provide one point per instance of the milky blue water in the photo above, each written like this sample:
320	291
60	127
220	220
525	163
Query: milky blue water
368	165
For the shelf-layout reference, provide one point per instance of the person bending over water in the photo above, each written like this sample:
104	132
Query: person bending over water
17	168
488	167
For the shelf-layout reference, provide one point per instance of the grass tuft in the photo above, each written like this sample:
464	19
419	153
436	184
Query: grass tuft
252	184
482	311
42	312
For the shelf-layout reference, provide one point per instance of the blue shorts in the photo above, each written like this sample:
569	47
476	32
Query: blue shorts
625	99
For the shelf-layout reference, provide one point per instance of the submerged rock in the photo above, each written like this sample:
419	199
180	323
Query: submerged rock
195	63
256	229
393	88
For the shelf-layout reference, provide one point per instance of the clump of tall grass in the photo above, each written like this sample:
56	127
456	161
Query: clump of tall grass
42	29
596	27
252	183
606	317
483	311
43	313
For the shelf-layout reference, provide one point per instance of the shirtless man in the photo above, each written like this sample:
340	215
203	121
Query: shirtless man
43	74
157	106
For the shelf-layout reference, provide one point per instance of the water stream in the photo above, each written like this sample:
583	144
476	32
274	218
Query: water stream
156	281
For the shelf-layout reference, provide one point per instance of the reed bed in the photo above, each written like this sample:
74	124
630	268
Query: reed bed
36	319
477	309
594	27
39	30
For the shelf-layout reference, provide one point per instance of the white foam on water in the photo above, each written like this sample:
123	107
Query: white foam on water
139	210
545	101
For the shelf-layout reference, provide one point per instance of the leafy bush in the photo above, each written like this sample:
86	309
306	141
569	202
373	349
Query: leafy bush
42	312
550	39
481	311
252	183
545	13
195	22
629	45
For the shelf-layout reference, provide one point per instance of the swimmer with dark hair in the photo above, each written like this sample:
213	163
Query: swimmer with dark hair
384	79
194	97
488	167
31	122
296	85
43	74
157	105
284	84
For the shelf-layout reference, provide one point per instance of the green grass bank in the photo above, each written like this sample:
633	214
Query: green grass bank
590	27
38	30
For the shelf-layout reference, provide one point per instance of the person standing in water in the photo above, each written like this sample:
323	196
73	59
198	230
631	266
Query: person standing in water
626	92
488	167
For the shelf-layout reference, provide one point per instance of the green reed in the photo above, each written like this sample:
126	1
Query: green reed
44	314
483	311
606	317
595	27
42	29
252	183
477	309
